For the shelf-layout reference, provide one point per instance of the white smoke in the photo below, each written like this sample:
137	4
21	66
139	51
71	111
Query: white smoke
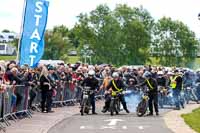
132	99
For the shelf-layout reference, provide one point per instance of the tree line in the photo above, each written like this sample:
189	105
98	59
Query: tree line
124	36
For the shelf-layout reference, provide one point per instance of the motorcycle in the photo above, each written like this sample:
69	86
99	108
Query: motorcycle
85	103
190	95
143	105
115	102
165	97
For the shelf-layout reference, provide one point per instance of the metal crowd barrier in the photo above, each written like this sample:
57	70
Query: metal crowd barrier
2	127
67	94
70	93
13	104
36	98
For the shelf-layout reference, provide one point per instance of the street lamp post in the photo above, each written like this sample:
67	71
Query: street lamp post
87	53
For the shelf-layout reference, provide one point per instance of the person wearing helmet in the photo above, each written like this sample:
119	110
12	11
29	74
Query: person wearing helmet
176	84
91	82
162	87
116	84
152	85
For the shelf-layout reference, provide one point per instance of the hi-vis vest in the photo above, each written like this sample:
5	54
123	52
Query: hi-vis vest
173	82
114	93
151	87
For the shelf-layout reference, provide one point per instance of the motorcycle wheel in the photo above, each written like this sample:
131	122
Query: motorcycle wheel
83	106
87	108
117	108
112	107
141	108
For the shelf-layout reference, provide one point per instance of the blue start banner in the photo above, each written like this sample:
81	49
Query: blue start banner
32	37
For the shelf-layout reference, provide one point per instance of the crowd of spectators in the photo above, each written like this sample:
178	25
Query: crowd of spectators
51	80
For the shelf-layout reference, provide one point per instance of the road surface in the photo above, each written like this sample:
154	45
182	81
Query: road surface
104	123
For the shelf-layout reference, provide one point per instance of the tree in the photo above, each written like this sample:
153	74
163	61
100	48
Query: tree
137	42
57	43
177	44
136	26
114	35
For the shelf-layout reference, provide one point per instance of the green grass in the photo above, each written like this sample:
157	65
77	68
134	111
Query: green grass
73	59
7	58
193	119
195	64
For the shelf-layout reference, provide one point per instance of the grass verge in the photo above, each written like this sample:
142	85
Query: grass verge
193	119
71	59
7	58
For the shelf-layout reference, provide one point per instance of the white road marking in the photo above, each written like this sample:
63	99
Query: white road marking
141	127
113	122
82	127
108	127
124	127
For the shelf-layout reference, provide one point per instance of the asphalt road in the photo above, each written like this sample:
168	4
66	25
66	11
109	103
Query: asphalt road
104	123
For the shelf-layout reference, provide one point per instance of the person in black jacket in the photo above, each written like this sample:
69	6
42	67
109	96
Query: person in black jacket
46	91
93	83
162	87
115	85
152	86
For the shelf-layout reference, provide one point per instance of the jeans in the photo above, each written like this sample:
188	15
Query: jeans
190	95
178	99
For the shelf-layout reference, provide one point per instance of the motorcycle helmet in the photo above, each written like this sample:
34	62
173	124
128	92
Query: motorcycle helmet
147	74
115	75
91	73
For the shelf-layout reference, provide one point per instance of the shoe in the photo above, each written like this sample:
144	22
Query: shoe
150	114
104	111
157	113
127	111
94	113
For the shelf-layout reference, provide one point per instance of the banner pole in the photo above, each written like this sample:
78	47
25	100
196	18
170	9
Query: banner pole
21	30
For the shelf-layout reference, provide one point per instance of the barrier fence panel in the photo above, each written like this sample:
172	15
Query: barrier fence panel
70	92
1	105
1	111
35	98
21	105
6	104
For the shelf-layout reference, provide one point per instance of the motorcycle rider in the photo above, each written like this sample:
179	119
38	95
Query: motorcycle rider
188	82
91	82
116	85
152	85
176	83
162	87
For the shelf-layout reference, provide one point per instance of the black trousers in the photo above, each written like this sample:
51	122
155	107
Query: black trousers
46	100
108	100
92	101
32	95
153	100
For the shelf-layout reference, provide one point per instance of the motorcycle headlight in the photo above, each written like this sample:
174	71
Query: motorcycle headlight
114	93
85	96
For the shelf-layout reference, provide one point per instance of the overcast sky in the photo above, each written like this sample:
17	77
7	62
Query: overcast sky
65	11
